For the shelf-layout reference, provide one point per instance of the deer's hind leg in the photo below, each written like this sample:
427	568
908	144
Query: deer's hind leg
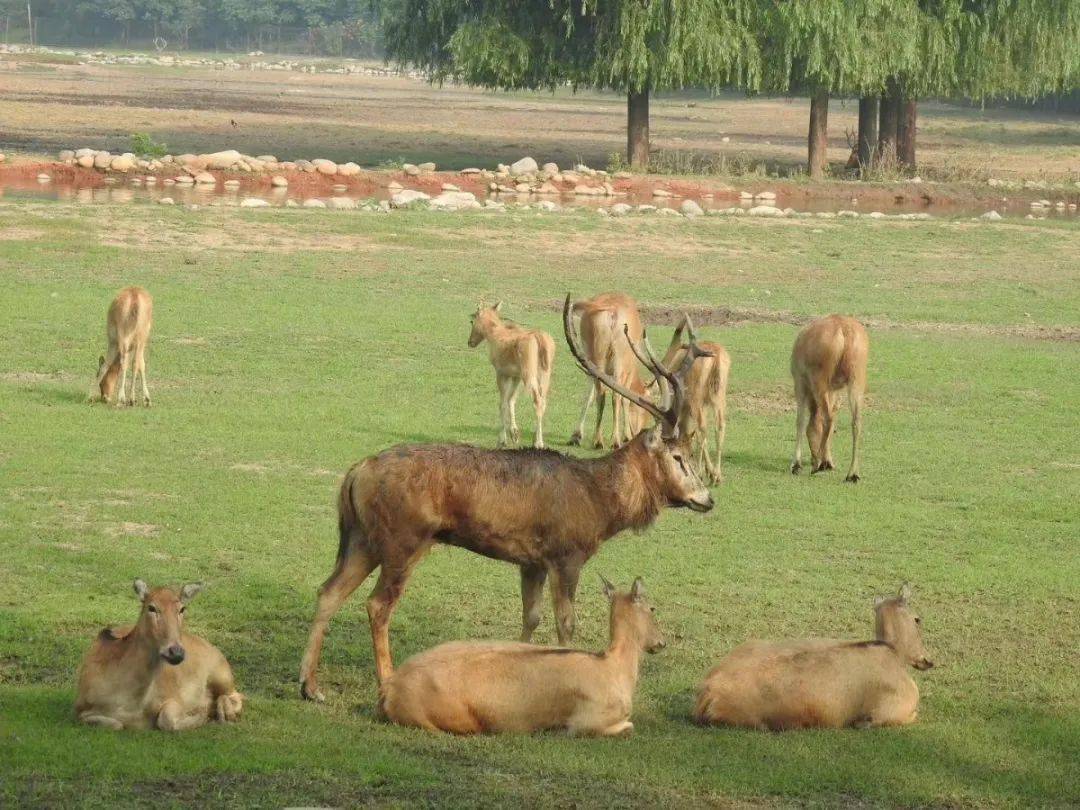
855	401
140	371
803	415
383	600
352	568
579	431
532	593
91	719
564	584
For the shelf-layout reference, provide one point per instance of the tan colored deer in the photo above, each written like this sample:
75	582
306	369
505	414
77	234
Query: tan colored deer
473	687
829	354
520	356
605	321
128	326
706	397
545	512
821	683
153	674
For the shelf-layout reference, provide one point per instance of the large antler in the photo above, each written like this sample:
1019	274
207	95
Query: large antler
675	392
591	369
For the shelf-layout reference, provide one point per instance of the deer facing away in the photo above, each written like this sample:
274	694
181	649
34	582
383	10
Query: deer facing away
128	325
821	683
471	687
153	674
606	321
829	354
542	511
520	357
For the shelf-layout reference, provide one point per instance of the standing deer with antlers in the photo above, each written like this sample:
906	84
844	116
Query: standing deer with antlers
829	355
543	511
520	357
605	319
706	397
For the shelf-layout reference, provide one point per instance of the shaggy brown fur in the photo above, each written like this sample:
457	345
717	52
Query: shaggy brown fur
128	327
829	354
155	675
520	357
821	683
473	687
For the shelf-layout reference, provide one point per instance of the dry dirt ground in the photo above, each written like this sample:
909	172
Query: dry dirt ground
368	119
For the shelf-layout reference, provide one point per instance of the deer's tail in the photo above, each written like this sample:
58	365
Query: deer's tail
544	349
346	512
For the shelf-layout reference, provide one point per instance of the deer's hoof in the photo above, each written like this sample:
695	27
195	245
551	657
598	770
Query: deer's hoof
796	468
575	440
312	692
853	478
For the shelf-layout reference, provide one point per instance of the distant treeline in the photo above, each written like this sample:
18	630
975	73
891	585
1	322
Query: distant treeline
319	27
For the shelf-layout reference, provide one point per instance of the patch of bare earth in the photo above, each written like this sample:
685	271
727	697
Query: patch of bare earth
31	377
255	236
130	529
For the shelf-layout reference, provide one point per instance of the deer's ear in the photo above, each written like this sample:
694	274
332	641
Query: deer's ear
637	590
653	439
879	601
189	592
609	589
101	360
141	588
905	592
498	306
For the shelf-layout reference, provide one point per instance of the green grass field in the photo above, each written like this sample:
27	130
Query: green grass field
289	344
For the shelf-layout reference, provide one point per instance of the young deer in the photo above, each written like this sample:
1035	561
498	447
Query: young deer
829	354
543	511
520	356
606	320
128	325
821	683
153	674
706	397
473	687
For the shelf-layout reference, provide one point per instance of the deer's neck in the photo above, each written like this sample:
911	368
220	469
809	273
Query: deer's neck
624	655
140	661
630	490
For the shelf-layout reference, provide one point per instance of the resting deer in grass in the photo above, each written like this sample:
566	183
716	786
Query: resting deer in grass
153	674
520	356
822	683
829	354
542	511
706	397
473	687
605	322
128	326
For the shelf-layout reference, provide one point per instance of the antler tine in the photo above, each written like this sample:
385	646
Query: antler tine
648	359
590	368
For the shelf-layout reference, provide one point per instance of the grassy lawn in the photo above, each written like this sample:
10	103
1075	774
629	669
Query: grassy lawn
289	344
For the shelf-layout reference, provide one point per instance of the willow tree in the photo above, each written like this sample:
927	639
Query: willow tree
628	46
830	47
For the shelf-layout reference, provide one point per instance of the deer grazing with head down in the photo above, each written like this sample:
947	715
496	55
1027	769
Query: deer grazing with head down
154	675
520	356
542	511
706	397
822	683
128	327
606	321
829	354
474	687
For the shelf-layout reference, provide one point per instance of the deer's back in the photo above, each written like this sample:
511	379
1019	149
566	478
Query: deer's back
130	314
475	687
833	349
800	684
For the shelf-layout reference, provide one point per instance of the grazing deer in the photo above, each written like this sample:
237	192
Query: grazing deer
605	321
473	687
520	356
155	675
821	683
128	325
829	354
540	510
706	398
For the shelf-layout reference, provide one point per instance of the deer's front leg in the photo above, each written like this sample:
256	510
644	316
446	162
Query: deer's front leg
532	592
564	581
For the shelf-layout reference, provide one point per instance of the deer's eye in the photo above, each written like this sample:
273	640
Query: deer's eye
918	620
151	608
182	609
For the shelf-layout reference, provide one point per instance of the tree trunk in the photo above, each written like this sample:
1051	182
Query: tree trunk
905	134
888	124
637	130
818	139
868	132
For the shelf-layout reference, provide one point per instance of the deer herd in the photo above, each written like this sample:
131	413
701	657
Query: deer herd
547	513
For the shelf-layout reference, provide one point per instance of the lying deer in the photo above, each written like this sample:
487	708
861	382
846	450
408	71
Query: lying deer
128	326
829	354
473	687
605	321
821	683
520	356
706	398
543	511
155	675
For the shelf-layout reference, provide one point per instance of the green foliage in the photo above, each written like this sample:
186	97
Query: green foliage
146	147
